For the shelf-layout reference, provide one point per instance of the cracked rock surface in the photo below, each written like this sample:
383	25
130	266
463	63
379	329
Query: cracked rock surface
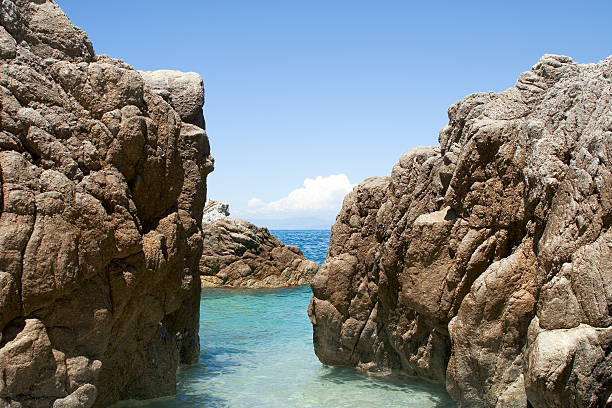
102	189
485	263
240	254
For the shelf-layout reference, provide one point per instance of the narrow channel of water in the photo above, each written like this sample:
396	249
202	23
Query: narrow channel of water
257	352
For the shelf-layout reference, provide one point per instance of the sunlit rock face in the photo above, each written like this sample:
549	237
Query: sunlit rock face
242	255
103	184
485	263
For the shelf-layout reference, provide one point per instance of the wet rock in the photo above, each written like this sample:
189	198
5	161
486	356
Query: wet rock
484	263
103	184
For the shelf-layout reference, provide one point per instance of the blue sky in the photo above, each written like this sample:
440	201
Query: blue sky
300	90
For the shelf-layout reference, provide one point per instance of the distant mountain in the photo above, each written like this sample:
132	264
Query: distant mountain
306	223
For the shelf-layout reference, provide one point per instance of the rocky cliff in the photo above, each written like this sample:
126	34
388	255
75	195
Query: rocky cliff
103	184
240	254
485	263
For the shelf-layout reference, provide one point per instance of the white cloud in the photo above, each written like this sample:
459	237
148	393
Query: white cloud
321	196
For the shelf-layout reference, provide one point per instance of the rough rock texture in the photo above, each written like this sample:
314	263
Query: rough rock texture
240	254
215	210
103	185
485	264
183	90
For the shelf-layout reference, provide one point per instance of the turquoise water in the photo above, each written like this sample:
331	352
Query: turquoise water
256	351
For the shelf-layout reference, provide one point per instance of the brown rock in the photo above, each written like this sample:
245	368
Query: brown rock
103	185
183	90
240	254
485	264
83	397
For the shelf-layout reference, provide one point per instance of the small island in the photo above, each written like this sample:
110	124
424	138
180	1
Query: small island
238	254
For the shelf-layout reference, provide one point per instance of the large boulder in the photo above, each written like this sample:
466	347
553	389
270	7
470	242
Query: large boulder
485	263
183	90
103	185
240	254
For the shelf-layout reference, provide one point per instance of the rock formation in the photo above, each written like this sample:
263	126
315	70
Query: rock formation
485	264
103	185
240	254
214	211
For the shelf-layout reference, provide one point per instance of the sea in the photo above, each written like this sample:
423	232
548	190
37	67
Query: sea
313	243
257	351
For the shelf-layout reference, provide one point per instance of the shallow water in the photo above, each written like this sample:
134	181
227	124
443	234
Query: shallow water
257	352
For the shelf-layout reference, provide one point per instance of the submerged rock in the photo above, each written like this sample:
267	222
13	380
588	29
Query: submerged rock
240	254
103	185
485	263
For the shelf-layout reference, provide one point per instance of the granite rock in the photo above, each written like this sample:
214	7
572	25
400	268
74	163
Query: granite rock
215	210
485	263
240	254
103	185
183	90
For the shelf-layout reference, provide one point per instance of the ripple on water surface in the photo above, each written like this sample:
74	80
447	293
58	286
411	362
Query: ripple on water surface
257	352
313	243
